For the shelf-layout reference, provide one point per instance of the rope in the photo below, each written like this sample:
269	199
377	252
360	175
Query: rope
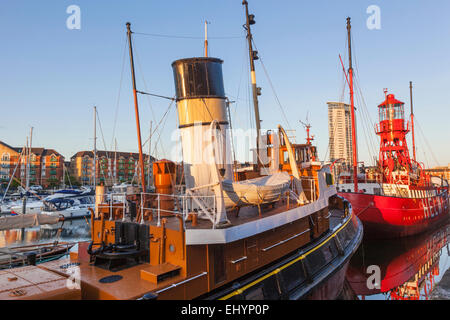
367	119
273	89
118	96
184	37
12	176
426	142
104	144
146	89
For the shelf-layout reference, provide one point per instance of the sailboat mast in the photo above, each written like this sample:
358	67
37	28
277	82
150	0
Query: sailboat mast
412	121
115	161
29	159
25	161
136	109
26	158
149	172
352	108
94	179
253	56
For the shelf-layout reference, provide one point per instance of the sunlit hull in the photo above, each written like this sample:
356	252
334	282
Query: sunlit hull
393	217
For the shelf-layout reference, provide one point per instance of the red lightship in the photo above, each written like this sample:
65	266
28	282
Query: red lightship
397	198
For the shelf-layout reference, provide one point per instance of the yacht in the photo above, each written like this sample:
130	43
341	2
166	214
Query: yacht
70	205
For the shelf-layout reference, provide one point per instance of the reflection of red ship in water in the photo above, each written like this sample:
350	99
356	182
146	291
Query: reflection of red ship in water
408	269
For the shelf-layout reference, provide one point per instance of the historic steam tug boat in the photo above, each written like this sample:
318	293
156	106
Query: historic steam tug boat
277	231
398	198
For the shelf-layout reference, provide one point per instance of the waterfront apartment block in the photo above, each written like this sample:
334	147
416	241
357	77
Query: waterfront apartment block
443	172
46	166
111	167
340	132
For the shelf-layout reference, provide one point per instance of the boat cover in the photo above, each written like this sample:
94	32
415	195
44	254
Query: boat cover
256	191
26	221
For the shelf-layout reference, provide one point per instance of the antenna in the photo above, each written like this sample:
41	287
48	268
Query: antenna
307	126
206	38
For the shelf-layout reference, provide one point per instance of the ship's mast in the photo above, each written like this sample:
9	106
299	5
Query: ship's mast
352	108
250	19
136	109
308	128
206	38
412	122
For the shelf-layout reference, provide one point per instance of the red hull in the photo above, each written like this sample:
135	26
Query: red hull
387	217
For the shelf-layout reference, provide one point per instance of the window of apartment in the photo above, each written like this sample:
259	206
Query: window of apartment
5	156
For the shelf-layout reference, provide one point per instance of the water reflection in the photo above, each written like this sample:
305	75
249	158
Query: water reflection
409	267
69	231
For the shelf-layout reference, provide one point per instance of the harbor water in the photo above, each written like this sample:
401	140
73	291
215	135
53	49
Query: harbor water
74	230
399	269
407	268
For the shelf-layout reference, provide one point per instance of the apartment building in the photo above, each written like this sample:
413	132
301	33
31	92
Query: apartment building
111	167
46	166
340	132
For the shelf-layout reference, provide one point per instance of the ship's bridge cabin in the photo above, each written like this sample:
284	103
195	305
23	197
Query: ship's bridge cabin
305	155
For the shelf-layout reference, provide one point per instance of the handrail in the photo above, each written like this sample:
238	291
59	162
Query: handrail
285	240
182	282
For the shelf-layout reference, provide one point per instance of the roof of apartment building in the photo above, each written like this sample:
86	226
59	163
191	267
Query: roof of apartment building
37	151
108	154
42	152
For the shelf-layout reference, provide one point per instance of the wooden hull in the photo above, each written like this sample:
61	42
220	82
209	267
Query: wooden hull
313	273
387	217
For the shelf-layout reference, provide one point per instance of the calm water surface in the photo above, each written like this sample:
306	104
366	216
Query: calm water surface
68	231
409	268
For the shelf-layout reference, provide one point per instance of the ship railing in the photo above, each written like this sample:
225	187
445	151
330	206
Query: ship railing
310	189
116	200
183	205
206	204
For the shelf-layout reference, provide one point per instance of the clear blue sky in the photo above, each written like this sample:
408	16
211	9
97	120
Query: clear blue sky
51	76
